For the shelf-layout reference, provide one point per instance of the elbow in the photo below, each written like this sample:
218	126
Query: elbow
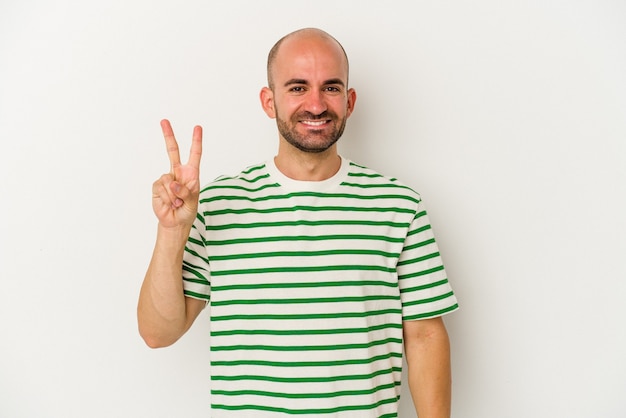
160	331
154	332
155	337
156	341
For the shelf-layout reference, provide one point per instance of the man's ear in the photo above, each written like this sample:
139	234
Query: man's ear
351	101
267	101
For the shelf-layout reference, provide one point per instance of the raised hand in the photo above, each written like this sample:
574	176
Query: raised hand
175	195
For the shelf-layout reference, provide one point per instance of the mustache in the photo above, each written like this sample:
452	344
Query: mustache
310	116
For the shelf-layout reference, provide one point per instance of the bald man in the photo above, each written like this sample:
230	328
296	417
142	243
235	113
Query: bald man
321	274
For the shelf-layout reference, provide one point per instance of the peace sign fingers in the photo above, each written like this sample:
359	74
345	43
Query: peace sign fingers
175	195
173	150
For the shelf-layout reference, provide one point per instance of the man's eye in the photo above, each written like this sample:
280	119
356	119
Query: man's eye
332	89
297	89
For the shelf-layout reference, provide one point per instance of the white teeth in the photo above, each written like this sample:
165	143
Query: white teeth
312	123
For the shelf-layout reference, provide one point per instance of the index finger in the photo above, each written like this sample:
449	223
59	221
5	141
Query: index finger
171	144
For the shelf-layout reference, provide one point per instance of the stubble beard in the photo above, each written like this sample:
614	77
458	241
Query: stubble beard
314	141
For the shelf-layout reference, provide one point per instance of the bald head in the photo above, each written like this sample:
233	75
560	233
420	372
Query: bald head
306	34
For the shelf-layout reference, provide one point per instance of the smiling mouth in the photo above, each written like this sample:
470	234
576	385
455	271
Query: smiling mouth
314	123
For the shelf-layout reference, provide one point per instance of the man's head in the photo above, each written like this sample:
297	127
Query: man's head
308	90
311	32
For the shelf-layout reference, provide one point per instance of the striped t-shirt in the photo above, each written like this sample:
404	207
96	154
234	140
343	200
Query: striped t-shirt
308	284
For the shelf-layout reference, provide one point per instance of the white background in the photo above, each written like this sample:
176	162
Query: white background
509	117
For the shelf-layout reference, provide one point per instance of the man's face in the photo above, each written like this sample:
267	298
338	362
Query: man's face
310	98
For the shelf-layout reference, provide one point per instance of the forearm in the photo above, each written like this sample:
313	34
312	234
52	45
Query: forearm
161	311
429	373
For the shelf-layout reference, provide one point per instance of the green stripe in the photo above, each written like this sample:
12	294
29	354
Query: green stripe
306	316
327	347
248	170
423	287
194	241
303	395
196	295
292	411
195	273
324	379
430	314
300	269
198	281
229	211
200	217
307	194
305	238
304	222
194	253
374	186
428	300
303	300
420	273
368	175
192	266
299	285
236	187
418	259
304	254
242	178
306	331
418	230
419	244
369	360
419	214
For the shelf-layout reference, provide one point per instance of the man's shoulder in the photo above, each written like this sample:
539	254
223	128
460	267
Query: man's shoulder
250	177
366	177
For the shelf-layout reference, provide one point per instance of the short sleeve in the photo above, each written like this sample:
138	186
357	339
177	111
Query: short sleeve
196	271
424	288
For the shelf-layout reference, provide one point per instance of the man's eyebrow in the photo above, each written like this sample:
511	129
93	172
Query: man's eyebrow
336	81
332	81
295	81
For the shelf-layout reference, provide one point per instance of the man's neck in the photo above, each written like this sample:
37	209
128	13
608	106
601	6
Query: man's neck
307	166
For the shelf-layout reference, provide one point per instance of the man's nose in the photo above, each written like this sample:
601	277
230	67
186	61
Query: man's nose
315	102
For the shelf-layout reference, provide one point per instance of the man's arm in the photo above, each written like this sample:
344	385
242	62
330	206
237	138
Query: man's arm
164	314
427	350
